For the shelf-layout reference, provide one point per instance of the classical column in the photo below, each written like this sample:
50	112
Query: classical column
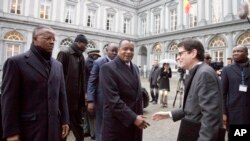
1	5
230	44
135	24
81	11
163	18
229	16
180	15
58	12
201	10
149	22
101	20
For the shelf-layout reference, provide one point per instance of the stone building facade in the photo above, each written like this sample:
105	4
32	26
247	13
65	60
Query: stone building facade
156	26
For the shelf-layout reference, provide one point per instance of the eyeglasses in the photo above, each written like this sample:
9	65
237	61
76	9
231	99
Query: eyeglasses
181	52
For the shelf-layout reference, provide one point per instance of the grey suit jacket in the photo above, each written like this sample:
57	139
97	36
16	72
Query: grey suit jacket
203	102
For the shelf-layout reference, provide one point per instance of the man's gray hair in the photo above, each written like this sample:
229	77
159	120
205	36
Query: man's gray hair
39	28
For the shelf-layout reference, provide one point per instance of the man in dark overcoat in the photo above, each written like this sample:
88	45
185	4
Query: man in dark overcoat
89	120
123	107
34	102
153	81
236	90
95	95
74	73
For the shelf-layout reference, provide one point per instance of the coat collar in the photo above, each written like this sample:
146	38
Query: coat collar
237	69
129	75
36	64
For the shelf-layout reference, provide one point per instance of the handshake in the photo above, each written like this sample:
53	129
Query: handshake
141	123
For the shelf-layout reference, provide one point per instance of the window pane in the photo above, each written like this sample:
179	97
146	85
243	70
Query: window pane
45	7
216	10
16	6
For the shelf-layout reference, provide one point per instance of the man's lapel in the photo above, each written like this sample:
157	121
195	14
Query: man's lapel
35	63
126	73
236	69
53	68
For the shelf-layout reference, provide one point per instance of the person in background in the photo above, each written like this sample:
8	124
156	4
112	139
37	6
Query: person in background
95	94
201	115
229	60
89	121
236	90
164	85
34	102
74	74
123	118
207	58
153	82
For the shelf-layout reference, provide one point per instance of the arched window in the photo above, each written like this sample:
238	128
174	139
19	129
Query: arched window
66	42
13	43
217	42
244	39
217	46
105	46
173	52
157	48
173	47
13	35
91	45
157	51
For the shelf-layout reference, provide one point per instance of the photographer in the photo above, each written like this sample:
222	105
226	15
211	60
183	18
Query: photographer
217	66
182	73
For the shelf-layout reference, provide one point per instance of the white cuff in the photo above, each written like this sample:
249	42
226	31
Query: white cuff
170	114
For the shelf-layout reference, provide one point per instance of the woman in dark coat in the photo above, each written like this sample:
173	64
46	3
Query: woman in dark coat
164	86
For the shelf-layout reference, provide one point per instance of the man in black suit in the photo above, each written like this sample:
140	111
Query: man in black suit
123	107
34	102
236	89
74	73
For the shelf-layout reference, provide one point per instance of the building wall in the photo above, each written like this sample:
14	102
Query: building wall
230	27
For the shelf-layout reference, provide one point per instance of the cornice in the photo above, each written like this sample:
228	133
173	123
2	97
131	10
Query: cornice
214	29
92	6
66	27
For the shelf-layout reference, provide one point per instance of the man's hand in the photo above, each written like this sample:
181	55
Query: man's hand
161	115
140	122
13	138
225	123
91	107
65	130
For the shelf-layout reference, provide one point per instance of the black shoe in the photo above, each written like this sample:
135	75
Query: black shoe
154	102
151	101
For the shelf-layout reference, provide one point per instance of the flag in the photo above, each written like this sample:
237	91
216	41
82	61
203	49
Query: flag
187	6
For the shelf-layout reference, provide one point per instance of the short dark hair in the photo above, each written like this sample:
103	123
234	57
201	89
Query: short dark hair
190	44
123	41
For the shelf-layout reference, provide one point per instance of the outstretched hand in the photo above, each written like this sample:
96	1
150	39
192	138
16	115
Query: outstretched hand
140	122
160	115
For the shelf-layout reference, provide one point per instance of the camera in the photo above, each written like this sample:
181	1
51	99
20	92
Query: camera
182	72
217	65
